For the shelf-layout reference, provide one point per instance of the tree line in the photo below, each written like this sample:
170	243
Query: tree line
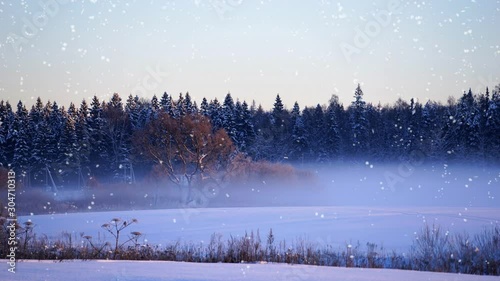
100	139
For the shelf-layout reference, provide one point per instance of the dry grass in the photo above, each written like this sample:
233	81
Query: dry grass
244	170
480	256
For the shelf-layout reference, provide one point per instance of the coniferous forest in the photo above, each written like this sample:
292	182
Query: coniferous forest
98	139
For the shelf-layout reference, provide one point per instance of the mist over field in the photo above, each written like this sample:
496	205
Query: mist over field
340	184
330	206
372	184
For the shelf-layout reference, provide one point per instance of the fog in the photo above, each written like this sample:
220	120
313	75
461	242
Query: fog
352	184
372	184
333	204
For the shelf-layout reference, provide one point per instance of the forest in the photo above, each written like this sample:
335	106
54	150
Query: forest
104	139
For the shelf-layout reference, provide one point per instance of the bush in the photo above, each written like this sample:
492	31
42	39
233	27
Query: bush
243	170
434	250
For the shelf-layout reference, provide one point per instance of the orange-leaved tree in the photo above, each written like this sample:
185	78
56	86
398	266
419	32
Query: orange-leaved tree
185	148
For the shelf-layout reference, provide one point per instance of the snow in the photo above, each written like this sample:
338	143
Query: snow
394	228
161	270
351	208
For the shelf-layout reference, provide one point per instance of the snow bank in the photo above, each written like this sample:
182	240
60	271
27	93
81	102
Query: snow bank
165	271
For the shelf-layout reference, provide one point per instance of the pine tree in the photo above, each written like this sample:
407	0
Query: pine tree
319	133
295	113
332	134
38	125
68	161
117	133
4	129
154	108
166	102
21	133
359	124
98	156
399	134
215	113
55	124
280	120
415	128
204	107
493	126
432	125
188	104
36	114
263	148
377	134
133	112
309	153
229	118
468	118
144	113
483	104
195	110
9	140
83	137
279	113
299	142
245	134
173	111
451	145
180	107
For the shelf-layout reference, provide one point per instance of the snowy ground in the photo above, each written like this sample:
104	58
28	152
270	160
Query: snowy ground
179	271
385	205
394	228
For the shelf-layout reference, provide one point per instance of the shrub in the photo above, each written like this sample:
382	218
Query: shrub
434	250
244	170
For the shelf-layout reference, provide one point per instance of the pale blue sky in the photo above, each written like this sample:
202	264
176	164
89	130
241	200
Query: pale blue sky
253	49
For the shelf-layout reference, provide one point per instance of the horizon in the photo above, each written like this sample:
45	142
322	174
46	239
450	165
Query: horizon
287	105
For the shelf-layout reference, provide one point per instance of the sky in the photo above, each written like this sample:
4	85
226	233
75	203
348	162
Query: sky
305	51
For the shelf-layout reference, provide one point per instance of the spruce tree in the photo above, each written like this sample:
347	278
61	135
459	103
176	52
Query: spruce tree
204	107
98	156
298	145
39	126
188	104
155	107
68	160
279	119
493	126
468	118
229	118
4	128
165	102
359	124
215	113
116	133
332	134
180	107
83	137
21	134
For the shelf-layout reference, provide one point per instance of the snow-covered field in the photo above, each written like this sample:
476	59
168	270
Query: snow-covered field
350	206
180	271
382	204
394	228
